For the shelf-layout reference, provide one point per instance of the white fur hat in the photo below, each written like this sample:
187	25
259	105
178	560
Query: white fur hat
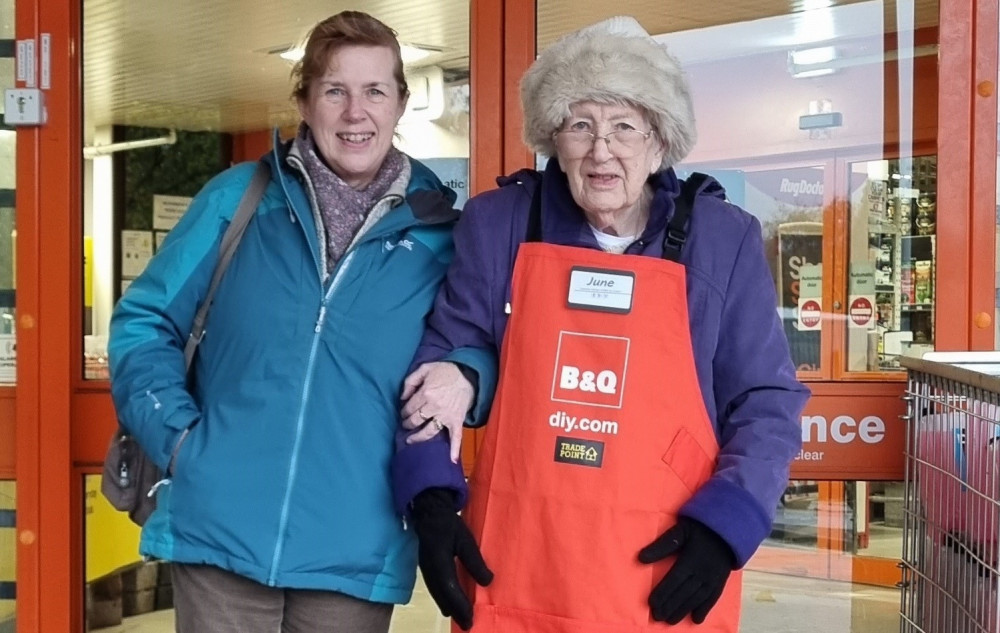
614	61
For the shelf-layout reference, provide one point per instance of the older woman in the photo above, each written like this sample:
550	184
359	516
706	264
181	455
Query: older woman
647	409
279	511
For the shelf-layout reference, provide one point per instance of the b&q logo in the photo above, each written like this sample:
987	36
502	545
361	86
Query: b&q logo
590	369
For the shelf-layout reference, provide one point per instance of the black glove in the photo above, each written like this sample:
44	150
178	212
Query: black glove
695	582
443	536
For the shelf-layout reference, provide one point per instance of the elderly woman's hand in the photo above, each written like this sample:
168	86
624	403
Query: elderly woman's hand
437	397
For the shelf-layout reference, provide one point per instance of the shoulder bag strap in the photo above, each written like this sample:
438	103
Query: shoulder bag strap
230	240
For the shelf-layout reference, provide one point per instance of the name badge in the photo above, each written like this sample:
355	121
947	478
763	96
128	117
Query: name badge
601	290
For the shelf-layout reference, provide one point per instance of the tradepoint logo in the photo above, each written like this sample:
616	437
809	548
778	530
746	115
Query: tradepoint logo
590	369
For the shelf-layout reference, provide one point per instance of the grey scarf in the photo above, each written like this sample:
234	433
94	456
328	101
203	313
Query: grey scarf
342	207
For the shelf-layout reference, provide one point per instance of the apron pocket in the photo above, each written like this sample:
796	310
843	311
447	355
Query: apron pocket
688	461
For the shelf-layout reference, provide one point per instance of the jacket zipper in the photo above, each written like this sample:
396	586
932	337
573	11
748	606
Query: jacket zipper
337	275
297	444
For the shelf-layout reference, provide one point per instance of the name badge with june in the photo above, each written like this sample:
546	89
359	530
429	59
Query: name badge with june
602	290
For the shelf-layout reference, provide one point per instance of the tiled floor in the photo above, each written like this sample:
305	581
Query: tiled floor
771	604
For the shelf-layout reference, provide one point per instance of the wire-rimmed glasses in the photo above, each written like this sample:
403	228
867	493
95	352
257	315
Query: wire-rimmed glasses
622	142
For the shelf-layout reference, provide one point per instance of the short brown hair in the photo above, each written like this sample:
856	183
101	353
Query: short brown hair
347	28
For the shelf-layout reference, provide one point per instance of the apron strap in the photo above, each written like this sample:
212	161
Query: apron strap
676	233
534	231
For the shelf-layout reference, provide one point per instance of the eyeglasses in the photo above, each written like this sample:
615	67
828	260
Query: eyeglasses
622	143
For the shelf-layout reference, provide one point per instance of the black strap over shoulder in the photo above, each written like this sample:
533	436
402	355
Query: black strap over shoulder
534	231
676	233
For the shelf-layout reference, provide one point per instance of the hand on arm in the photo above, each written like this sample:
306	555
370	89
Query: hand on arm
437	396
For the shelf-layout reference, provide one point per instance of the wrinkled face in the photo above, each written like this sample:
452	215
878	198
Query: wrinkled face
607	176
352	111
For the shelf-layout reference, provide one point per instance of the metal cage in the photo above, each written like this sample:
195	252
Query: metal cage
951	519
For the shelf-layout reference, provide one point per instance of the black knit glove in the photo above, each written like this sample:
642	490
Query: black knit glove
443	536
695	582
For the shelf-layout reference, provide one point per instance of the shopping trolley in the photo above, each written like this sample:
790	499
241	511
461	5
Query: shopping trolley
951	524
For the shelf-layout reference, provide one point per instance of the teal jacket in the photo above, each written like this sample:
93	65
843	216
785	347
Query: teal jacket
284	474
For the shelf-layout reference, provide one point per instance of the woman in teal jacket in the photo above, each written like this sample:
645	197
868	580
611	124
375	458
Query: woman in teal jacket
278	450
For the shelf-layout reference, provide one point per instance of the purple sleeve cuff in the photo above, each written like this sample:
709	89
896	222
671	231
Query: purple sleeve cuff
416	467
732	514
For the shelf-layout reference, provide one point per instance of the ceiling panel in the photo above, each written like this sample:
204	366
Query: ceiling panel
205	65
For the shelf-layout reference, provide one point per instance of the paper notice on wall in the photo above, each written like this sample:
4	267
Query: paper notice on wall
8	358
810	303
158	237
167	210
137	250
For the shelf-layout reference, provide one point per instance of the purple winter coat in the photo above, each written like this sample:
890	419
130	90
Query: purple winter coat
746	375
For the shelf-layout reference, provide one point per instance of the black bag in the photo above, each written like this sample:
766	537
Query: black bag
129	477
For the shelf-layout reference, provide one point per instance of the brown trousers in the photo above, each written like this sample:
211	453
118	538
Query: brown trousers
210	600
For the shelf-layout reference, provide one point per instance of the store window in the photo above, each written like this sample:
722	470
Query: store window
893	222
8	231
8	235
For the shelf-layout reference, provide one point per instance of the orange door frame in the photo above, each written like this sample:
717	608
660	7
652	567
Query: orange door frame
967	142
49	222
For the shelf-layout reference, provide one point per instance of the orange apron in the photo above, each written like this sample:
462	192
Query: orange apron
597	436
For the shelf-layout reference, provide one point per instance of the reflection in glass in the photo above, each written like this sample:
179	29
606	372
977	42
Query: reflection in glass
861	518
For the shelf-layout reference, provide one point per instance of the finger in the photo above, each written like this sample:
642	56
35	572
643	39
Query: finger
413	421
701	611
675	587
458	606
423	434
414	380
413	407
667	543
463	616
468	552
685	602
438	596
456	444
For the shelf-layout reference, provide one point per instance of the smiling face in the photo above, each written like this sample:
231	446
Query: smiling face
352	111
607	180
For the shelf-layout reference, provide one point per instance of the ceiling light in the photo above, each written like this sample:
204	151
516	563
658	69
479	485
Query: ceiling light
412	53
812	62
818	55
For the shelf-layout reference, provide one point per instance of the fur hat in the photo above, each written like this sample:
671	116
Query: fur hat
614	61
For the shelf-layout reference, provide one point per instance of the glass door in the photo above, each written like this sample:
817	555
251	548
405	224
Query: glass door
8	346
892	257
